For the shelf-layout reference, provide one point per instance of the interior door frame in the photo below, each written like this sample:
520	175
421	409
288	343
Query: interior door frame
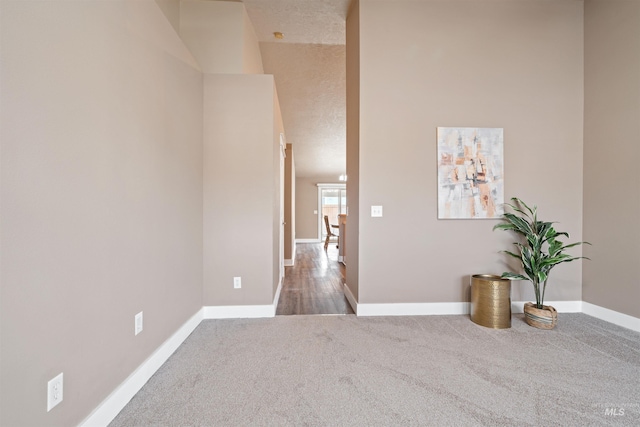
325	186
283	155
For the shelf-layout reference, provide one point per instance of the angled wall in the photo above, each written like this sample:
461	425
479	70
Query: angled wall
171	9
221	36
242	127
101	199
241	189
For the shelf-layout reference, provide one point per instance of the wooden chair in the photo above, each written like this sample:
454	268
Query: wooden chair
330	233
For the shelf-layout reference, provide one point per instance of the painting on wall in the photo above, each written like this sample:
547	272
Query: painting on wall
470	173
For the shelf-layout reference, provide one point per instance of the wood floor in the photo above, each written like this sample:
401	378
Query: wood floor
314	285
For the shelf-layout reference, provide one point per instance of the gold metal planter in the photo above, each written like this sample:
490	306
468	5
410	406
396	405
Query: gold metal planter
491	301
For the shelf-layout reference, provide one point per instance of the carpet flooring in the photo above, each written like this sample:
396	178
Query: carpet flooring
394	371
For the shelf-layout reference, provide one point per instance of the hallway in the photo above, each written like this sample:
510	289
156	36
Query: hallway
314	285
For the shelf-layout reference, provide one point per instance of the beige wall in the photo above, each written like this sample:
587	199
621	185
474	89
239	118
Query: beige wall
240	191
213	31
101	167
289	205
251	55
101	191
514	65
611	151
277	189
353	148
220	36
307	203
171	9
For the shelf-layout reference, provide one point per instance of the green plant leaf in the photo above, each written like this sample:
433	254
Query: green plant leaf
517	256
539	245
513	276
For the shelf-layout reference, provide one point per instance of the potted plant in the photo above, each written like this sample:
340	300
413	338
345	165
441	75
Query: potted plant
539	250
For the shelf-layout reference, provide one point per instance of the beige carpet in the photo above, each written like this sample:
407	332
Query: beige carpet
388	371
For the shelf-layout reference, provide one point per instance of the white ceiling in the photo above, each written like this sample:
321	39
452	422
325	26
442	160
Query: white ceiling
309	70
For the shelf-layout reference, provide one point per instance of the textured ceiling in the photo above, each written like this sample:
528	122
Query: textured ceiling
310	80
309	69
301	21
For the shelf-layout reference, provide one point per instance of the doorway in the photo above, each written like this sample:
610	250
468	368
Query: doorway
315	282
332	201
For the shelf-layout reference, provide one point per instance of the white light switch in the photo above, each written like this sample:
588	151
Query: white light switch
376	211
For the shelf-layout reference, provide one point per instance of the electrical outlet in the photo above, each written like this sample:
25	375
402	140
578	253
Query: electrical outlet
237	282
54	392
138	323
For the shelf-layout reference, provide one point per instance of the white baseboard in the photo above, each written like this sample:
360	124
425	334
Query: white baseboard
560	306
238	311
276	297
290	262
350	298
308	240
441	308
118	399
412	309
611	316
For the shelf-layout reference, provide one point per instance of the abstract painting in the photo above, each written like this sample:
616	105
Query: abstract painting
470	173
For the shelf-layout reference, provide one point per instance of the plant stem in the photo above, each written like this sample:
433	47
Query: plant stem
544	288
536	288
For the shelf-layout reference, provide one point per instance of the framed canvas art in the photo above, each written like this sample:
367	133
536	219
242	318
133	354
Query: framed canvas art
470	173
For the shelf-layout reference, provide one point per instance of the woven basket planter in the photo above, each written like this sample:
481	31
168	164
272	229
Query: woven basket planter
541	318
